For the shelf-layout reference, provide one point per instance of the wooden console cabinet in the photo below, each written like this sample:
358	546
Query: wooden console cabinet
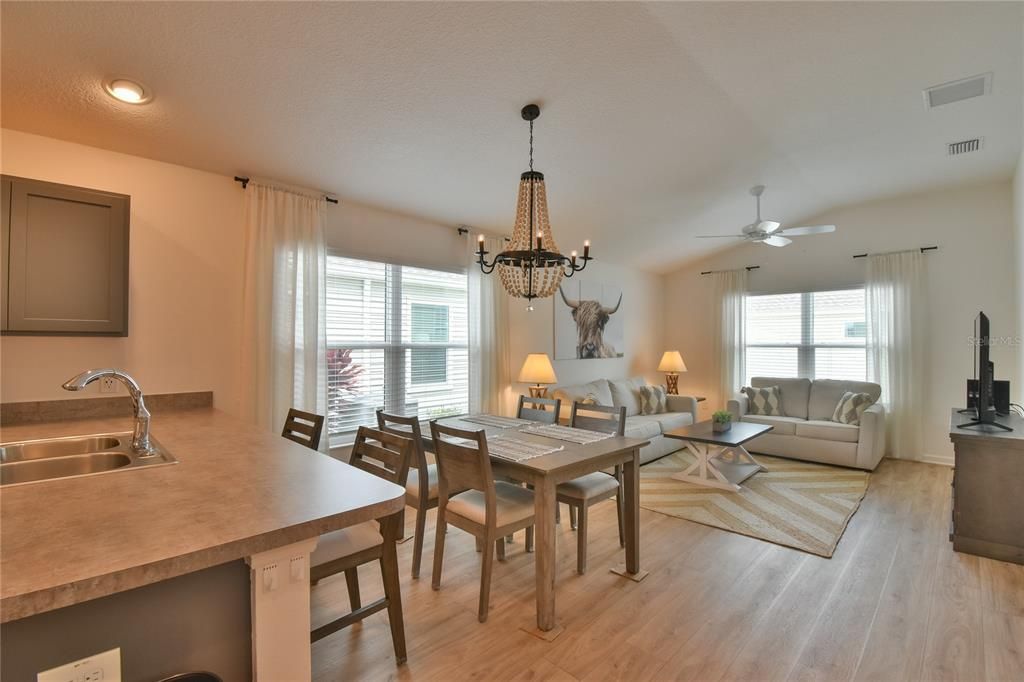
988	489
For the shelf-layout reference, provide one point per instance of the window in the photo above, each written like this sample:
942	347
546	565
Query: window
429	325
397	338
819	334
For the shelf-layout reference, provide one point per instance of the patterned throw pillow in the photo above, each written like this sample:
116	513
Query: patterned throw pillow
764	401
851	408
653	400
590	399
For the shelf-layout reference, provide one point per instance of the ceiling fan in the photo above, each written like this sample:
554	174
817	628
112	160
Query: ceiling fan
767	231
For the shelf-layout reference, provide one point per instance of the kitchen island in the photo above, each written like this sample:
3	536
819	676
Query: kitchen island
236	494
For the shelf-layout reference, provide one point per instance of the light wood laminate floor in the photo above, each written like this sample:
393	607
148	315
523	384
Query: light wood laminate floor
894	603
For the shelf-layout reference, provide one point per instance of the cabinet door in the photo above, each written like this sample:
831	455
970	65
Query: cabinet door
67	259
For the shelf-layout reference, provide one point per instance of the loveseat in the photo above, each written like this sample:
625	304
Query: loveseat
805	429
682	410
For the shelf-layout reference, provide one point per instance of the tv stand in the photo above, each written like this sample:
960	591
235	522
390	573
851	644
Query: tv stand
988	484
979	422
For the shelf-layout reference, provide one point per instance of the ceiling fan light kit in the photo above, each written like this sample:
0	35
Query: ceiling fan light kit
532	267
767	231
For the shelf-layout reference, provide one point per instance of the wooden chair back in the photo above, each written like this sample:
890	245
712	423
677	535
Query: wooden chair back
382	454
407	427
614	423
304	428
462	466
535	409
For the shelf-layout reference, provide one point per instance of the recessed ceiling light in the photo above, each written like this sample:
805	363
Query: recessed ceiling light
127	91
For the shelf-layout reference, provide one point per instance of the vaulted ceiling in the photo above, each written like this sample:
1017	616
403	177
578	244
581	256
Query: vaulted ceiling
656	118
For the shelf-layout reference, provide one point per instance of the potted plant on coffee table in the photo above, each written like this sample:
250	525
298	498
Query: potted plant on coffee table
721	421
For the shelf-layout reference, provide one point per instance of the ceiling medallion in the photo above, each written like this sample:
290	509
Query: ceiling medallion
532	266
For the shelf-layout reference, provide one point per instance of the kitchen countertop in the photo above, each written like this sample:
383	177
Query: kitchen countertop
235	491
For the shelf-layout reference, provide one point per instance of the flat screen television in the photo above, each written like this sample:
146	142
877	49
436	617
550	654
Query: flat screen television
984	375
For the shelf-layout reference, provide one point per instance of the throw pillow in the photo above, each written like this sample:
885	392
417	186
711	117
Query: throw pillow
653	400
851	408
763	401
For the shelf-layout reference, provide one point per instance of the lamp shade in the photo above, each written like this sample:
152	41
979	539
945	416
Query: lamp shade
537	370
672	361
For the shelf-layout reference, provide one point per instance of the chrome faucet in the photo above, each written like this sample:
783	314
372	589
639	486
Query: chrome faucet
140	438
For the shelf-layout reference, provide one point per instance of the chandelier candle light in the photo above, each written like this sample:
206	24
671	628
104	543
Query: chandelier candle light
532	267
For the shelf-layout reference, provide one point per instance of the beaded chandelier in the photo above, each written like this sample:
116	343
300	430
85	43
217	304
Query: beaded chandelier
532	266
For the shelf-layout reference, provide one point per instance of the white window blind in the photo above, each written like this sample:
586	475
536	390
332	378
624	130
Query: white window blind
819	334
397	338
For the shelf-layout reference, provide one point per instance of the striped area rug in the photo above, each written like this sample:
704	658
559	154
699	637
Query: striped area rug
801	505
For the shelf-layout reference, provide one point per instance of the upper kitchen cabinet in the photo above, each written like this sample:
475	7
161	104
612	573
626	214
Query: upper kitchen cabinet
65	259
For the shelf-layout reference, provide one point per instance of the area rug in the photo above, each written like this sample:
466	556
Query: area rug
801	505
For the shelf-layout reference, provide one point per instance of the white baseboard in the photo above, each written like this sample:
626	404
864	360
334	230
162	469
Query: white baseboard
944	460
925	458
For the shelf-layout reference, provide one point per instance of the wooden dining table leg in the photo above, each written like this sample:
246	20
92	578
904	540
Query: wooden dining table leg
631	489
545	558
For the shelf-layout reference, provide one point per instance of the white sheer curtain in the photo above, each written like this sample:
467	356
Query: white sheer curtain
490	375
896	340
284	341
728	324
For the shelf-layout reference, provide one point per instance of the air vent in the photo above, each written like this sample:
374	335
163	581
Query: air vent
957	91
965	146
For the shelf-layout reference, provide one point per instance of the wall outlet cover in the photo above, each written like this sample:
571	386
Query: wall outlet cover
109	385
104	667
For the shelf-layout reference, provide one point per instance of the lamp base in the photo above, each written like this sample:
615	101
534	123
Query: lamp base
672	384
538	391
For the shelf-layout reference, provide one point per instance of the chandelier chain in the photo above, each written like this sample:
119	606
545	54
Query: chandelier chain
531	146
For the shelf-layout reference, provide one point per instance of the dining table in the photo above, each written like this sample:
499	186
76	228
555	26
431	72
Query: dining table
544	473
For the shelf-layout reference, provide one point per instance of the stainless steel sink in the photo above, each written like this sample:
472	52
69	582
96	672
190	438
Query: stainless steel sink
48	459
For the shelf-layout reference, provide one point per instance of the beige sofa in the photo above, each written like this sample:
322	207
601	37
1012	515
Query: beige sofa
682	410
806	431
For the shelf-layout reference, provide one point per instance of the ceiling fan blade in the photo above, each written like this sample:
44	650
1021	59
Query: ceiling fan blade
811	229
721	236
777	241
768	226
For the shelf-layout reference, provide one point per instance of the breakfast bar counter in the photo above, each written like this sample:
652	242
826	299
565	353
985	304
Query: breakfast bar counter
236	492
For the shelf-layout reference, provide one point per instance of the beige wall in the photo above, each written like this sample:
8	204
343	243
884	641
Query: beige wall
1018	219
973	270
186	277
363	232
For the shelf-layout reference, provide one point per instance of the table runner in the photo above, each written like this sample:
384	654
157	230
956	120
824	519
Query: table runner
568	433
517	450
496	421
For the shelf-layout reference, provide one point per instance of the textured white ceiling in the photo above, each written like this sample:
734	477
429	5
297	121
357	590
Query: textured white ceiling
656	117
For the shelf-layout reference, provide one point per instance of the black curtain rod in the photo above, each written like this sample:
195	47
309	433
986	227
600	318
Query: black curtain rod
748	268
245	183
923	249
463	229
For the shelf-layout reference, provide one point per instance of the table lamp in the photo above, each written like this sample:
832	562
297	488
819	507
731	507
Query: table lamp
672	363
537	370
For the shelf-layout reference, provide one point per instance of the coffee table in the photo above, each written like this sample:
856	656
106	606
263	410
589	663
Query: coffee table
722	461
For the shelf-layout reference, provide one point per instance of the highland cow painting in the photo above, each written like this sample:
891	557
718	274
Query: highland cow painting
589	320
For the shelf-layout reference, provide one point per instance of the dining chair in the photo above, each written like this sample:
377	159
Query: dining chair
487	509
535	409
343	551
584	492
421	485
304	428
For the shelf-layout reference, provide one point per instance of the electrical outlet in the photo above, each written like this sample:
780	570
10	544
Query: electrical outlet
104	667
108	385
